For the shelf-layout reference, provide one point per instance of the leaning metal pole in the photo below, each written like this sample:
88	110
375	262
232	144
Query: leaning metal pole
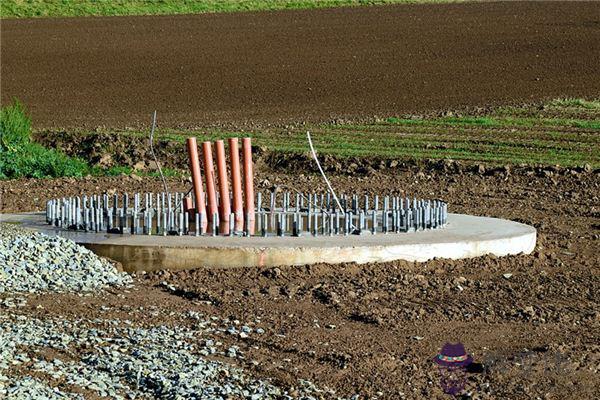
314	154
154	155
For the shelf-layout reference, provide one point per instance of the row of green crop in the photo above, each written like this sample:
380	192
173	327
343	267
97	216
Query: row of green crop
508	140
561	148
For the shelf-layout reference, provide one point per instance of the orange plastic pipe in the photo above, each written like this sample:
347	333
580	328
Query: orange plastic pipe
248	183
224	205
236	183
192	149
209	171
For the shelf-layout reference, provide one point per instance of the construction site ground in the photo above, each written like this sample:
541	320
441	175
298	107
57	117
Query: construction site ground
531	322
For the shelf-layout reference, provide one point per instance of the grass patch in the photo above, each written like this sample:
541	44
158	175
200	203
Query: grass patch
20	157
480	121
63	8
530	135
498	122
114	171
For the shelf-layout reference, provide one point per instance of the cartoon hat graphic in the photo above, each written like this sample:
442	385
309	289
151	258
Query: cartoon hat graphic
453	355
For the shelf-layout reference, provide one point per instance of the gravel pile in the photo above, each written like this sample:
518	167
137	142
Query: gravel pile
33	262
56	358
111	358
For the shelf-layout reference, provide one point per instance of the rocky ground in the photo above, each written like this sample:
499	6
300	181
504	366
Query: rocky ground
531	322
32	262
83	355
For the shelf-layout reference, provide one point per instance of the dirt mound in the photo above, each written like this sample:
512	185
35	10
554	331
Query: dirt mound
108	149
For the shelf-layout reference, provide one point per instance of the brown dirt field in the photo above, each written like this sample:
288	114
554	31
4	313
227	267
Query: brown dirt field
374	328
279	67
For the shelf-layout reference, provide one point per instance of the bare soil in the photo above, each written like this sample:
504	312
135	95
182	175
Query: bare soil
373	329
290	66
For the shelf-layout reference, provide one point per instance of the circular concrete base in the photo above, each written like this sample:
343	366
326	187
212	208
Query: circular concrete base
465	236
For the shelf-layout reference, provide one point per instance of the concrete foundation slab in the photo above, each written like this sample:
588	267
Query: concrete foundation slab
465	236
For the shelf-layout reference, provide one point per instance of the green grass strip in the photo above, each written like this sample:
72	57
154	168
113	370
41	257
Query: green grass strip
81	8
498	122
576	103
487	148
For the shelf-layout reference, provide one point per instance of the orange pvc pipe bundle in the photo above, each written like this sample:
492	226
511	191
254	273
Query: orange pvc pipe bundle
209	208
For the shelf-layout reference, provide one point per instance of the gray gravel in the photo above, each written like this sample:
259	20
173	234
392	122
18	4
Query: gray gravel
33	262
117	360
30	388
55	358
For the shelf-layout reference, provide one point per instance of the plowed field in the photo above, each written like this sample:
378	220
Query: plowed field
318	65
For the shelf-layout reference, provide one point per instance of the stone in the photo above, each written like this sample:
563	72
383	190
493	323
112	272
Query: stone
587	168
105	161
